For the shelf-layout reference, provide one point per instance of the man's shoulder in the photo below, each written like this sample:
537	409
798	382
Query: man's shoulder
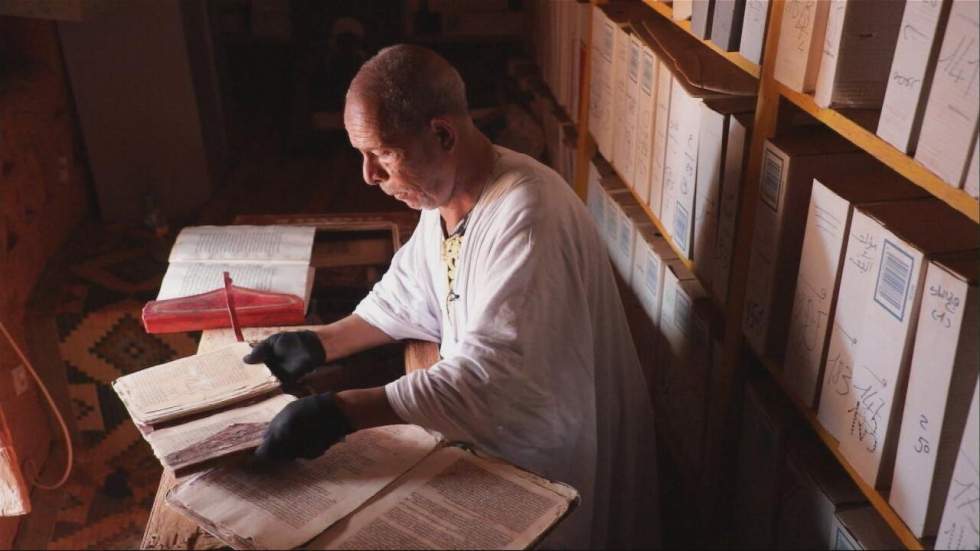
525	183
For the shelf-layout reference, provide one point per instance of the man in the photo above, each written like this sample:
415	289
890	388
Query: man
507	272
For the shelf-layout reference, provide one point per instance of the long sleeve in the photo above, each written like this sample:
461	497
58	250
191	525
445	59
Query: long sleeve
402	304
502	388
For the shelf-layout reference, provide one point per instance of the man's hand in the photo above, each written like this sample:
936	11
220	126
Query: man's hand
304	428
289	355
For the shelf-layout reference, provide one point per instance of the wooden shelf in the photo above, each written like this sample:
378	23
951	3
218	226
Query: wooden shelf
878	501
736	58
659	225
886	153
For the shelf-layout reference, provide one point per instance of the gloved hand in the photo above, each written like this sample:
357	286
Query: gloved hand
304	428
289	355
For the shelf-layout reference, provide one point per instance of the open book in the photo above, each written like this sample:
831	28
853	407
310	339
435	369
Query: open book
393	487
269	266
202	407
264	258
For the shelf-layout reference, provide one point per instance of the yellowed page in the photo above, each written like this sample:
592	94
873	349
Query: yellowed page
186	279
216	435
455	500
193	384
256	506
244	244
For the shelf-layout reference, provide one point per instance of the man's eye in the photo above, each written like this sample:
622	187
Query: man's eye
386	154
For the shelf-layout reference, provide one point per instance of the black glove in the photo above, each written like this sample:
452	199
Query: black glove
304	428
289	355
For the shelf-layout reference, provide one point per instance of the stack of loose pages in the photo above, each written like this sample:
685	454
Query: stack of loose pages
202	407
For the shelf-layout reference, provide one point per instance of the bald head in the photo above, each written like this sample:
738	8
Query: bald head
408	86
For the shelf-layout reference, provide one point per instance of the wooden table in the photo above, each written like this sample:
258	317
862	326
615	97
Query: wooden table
168	529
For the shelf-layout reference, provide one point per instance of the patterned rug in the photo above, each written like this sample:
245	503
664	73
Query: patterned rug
112	274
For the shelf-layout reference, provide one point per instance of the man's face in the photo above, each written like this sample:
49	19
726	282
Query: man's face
415	170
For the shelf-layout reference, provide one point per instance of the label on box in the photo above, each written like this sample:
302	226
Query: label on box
682	224
894	278
772	178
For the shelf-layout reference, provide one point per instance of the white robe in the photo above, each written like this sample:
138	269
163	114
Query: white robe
539	367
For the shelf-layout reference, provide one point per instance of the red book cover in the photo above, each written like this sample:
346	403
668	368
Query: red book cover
211	311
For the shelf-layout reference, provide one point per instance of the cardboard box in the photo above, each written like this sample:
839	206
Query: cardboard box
726	25
685	321
949	128
801	39
625	144
790	162
712	145
680	168
942	376
971	184
958	529
754	24
646	113
859	44
665	85
813	487
616	196
862	528
649	257
827	224
866	373
682	9
767	422
731	184
595	200
910	77
600	95
628	213
620	93
702	15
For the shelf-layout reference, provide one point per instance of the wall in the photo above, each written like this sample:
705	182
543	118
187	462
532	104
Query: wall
43	196
148	108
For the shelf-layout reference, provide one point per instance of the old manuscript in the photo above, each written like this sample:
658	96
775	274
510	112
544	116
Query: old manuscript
391	487
202	407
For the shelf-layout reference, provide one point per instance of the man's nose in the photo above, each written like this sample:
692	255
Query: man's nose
373	173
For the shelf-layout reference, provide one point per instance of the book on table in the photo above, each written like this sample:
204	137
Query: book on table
391	487
202	407
270	266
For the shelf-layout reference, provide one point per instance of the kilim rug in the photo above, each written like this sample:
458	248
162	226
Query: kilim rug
113	272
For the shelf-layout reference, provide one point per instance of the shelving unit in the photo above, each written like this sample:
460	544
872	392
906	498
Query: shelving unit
886	153
721	429
878	501
736	58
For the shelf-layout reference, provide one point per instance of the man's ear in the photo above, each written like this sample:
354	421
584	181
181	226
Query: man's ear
445	133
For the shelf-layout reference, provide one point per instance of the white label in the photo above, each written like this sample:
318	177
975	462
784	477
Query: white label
682	224
772	178
894	274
